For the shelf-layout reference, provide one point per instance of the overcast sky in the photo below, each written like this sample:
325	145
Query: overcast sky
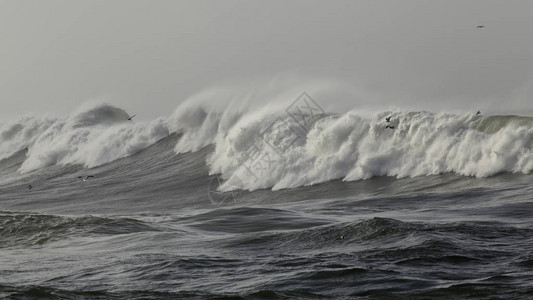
148	56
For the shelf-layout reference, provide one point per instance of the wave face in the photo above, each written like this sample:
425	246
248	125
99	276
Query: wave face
286	147
32	229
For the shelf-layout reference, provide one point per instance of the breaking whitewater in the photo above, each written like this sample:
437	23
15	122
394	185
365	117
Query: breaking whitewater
277	199
291	146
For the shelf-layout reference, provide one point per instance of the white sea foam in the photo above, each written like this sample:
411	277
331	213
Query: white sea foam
18	135
92	136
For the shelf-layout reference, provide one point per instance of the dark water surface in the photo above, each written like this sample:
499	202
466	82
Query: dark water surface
146	227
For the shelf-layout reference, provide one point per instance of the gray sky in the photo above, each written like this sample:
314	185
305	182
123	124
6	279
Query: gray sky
148	56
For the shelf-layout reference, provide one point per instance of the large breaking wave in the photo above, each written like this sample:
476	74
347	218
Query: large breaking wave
269	148
283	139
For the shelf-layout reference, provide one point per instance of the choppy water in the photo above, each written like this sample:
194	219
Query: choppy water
151	224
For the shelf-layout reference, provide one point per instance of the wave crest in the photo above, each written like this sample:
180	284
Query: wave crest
100	114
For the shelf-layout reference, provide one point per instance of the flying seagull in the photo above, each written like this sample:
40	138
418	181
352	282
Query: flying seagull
388	119
480	26
85	178
129	119
30	187
391	127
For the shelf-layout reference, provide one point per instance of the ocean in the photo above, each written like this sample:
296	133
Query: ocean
291	202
